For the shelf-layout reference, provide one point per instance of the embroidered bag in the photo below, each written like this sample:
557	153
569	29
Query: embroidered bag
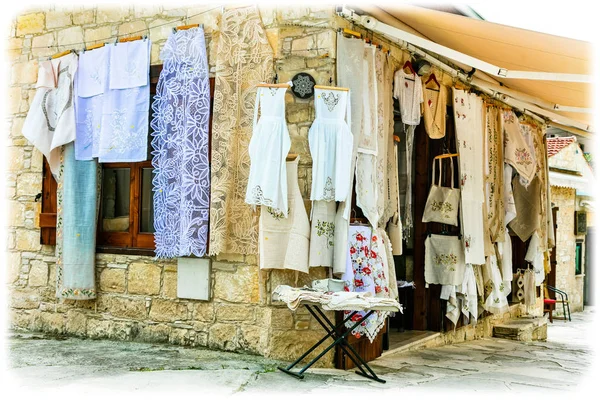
444	260
442	202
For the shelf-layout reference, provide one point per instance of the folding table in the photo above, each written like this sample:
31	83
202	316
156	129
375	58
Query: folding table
338	334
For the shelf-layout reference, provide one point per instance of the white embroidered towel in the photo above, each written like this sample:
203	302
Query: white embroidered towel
444	260
129	65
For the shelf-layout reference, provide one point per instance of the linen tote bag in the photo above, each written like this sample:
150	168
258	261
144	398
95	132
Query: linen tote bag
442	202
444	260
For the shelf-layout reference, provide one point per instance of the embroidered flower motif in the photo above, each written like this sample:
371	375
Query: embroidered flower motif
463	179
359	237
273	91
358	283
330	100
446	259
468	243
377	289
523	157
277	214
374	238
325	228
328	190
366	271
373	254
443	207
352	250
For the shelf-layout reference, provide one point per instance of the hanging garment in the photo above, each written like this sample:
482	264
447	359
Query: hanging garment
322	231
366	160
541	156
181	180
284	242
495	291
510	210
442	202
124	125
444	260
468	114
77	196
50	122
494	162
383	135
505	259
244	58
529	295
366	273
468	292
535	255
448	293
409	131
269	146
527	133
330	142
388	260
527	203
341	259
516	151
91	81
409	92
434	111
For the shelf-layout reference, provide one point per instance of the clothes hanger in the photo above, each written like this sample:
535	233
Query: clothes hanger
442	156
408	65
130	39
291	157
332	88
274	85
62	54
92	47
434	79
350	32
186	27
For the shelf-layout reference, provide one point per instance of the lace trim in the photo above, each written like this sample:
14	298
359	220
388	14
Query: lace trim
328	190
257	197
331	100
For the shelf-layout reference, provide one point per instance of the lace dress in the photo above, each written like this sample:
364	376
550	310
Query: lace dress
269	146
330	142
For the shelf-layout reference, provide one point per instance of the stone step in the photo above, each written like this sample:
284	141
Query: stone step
523	329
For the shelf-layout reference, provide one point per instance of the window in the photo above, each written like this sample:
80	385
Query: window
578	257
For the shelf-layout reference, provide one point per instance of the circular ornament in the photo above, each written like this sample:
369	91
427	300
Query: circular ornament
303	85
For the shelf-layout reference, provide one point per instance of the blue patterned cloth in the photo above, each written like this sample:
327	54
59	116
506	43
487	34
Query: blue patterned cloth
181	181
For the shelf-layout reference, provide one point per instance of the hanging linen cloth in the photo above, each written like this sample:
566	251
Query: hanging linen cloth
366	160
495	291
322	233
444	260
541	156
494	168
389	261
468	291
434	111
468	119
50	122
516	150
409	92
527	203
383	135
529	284
350	74
244	58
269	146
181	180
330	142
510	209
124	125
366	273
535	256
91	81
76	217
453	308
284	241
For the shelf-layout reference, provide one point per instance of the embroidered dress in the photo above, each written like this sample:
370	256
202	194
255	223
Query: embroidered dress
269	146
50	122
468	109
244	58
366	273
124	125
322	233
78	192
181	180
367	190
494	167
434	111
330	142
516	150
91	81
284	242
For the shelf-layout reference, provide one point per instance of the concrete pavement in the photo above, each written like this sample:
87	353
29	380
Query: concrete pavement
42	363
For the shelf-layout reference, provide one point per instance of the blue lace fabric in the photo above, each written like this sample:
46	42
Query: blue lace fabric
181	181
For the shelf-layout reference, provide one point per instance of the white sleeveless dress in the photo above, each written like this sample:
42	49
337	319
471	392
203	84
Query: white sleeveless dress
269	146
330	142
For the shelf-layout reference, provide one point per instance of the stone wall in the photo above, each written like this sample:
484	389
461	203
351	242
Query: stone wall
566	280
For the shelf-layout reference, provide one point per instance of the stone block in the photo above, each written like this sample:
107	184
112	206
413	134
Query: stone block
76	323
123	307
29	184
116	14
19	320
24	299
153	333
282	318
66	37
160	29
181	337
16	209
13	260
52	322
301	325
223	337
144	279
97	34
14	48
234	312
112	280
170	285
223	266
273	38
236	287
28	240
168	311
83	17
201	339
204	312
38	273
109	329
289	345
142	10
14	99
230	257
253	339
128	28
30	23
57	19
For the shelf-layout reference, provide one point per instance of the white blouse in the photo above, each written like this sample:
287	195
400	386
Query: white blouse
409	92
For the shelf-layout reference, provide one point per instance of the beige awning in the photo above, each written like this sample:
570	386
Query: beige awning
511	48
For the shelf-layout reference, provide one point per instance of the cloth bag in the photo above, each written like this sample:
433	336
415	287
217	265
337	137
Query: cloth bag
442	202
444	260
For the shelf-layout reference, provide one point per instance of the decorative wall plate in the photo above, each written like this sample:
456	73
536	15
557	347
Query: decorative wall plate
303	85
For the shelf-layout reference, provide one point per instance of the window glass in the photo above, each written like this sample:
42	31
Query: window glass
115	199
147	199
578	248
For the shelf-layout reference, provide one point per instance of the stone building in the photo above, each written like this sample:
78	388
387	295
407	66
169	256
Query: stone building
137	295
571	180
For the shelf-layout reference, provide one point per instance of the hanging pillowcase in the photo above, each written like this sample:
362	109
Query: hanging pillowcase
444	260
442	202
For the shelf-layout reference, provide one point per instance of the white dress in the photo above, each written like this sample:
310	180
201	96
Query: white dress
269	146
330	142
284	242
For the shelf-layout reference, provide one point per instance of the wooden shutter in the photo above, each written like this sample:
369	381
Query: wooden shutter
48	213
